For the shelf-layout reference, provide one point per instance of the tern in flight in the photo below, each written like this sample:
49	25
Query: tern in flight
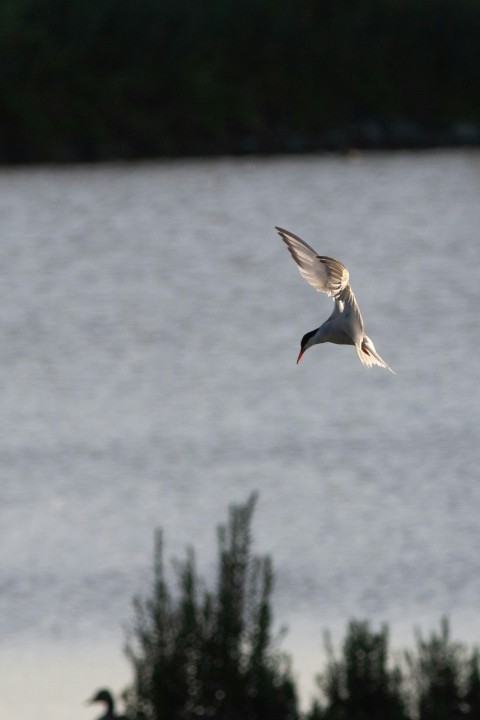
345	324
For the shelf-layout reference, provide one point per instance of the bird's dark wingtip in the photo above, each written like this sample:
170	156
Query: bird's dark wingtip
283	234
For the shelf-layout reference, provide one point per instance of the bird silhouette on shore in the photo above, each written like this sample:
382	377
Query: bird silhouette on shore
345	324
105	696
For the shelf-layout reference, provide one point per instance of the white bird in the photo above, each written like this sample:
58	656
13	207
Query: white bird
345	324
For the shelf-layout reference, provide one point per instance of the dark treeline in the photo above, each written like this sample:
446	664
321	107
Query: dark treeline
211	653
93	79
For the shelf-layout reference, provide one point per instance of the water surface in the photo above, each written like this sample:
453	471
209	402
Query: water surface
150	320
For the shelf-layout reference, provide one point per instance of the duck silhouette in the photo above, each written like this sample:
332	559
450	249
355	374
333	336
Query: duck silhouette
105	696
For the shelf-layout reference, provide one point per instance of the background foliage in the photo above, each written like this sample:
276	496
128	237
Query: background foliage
93	79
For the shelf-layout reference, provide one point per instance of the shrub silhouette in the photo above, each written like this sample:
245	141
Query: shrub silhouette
360	685
445	681
209	653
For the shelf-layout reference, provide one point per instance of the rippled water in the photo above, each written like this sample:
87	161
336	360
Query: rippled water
150	323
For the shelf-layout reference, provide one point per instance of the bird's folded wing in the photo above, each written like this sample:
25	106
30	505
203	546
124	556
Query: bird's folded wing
346	305
324	273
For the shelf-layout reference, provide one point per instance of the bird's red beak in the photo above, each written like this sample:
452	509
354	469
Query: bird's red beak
299	356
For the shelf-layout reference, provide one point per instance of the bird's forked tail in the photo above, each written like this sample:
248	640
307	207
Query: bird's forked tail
368	356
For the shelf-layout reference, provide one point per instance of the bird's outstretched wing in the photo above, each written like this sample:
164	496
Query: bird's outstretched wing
324	273
327	275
